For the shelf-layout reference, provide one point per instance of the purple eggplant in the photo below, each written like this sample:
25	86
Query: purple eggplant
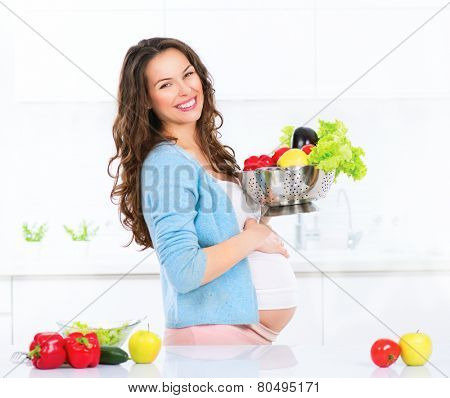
303	136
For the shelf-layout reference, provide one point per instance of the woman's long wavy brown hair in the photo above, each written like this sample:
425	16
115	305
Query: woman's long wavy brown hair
137	130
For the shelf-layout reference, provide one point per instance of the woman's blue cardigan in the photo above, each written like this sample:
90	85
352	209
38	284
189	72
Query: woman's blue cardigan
186	210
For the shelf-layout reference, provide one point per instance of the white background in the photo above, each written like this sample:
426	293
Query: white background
273	64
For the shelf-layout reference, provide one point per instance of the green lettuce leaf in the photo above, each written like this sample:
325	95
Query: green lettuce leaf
334	151
110	336
286	137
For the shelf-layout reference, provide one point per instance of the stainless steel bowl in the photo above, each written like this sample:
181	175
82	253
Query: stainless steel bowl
277	187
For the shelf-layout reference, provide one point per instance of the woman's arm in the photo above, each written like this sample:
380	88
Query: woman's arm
169	194
223	256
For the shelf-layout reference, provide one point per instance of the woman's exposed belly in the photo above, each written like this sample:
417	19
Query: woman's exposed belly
276	288
276	319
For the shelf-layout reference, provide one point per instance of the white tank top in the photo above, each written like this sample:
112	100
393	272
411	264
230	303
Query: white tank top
272	274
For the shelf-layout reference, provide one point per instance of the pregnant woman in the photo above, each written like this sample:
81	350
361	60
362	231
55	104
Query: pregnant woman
225	274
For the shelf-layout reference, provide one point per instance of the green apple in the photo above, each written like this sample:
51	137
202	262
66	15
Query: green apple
415	348
144	346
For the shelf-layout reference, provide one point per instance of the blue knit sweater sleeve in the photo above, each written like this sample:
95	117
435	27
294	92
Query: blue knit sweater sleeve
169	188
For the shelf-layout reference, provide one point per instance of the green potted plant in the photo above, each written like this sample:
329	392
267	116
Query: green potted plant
82	236
33	236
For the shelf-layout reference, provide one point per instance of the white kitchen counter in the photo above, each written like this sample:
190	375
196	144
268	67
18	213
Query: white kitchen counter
247	361
146	263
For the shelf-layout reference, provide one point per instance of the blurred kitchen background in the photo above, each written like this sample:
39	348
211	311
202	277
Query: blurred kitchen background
383	240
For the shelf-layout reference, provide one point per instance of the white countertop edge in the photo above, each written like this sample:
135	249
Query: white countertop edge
299	267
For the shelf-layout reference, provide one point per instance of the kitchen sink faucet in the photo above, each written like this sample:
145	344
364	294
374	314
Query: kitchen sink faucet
353	238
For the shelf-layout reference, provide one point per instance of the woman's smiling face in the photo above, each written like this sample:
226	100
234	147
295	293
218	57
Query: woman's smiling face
172	80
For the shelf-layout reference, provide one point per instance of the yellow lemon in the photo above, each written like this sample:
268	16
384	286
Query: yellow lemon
144	346
293	157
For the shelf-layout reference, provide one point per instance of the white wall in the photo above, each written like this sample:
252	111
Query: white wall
273	64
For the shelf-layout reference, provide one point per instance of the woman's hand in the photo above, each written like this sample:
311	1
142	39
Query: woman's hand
265	220
270	242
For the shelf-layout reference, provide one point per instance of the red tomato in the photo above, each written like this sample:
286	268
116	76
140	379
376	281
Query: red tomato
307	148
251	163
251	160
384	352
277	154
255	162
265	161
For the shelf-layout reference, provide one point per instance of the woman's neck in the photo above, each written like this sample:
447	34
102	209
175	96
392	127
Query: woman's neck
185	135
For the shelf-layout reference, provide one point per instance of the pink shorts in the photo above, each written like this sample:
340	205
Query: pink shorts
253	334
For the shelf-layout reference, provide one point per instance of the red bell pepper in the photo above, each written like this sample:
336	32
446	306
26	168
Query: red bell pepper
47	350
83	350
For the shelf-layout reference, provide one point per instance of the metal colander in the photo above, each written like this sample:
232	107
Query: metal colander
287	190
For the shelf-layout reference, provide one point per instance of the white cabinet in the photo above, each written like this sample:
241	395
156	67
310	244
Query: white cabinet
403	302
5	310
5	329
326	314
5	295
305	328
40	301
53	78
